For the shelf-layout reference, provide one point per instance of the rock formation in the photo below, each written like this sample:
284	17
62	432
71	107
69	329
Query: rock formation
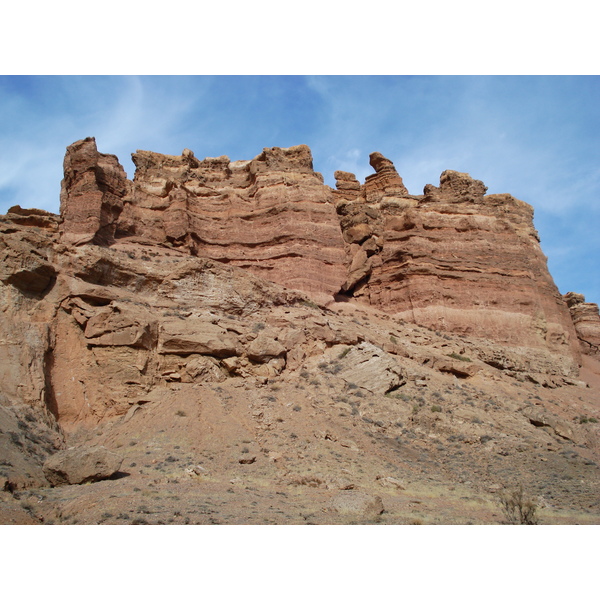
81	465
587	322
200	272
271	215
91	195
452	259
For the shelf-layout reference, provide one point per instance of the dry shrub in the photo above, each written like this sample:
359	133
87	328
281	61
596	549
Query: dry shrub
518	507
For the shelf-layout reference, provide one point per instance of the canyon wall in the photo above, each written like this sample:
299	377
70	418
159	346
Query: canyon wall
271	215
452	259
143	283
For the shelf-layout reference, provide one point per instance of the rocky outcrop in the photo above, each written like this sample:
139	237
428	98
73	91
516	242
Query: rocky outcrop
271	215
92	192
587	322
81	465
453	260
541	418
168	279
372	369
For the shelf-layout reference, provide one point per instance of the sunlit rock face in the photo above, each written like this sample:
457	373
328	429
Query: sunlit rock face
271	215
92	192
452	259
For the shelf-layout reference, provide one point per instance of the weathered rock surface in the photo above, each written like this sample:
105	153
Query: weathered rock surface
81	465
92	193
129	316
587	322
541	418
271	215
372	369
120	290
356	503
453	260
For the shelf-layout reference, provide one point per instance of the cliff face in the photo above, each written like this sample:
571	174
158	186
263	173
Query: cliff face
219	323
452	259
271	215
138	282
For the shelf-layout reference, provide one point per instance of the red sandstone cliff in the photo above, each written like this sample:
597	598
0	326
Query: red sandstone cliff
452	259
271	215
208	285
126	279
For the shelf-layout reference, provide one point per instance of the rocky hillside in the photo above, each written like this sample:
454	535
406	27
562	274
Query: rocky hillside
237	342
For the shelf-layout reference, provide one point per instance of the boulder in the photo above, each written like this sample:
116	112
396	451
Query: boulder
372	369
264	348
357	504
196	336
541	418
81	465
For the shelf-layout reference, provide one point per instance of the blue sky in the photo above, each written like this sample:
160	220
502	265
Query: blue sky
536	137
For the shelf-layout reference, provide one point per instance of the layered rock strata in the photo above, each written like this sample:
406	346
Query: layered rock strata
452	259
138	284
92	192
587	322
271	215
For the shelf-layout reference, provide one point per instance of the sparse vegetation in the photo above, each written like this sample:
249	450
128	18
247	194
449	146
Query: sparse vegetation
181	413
309	304
436	408
518	507
344	353
459	357
333	367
